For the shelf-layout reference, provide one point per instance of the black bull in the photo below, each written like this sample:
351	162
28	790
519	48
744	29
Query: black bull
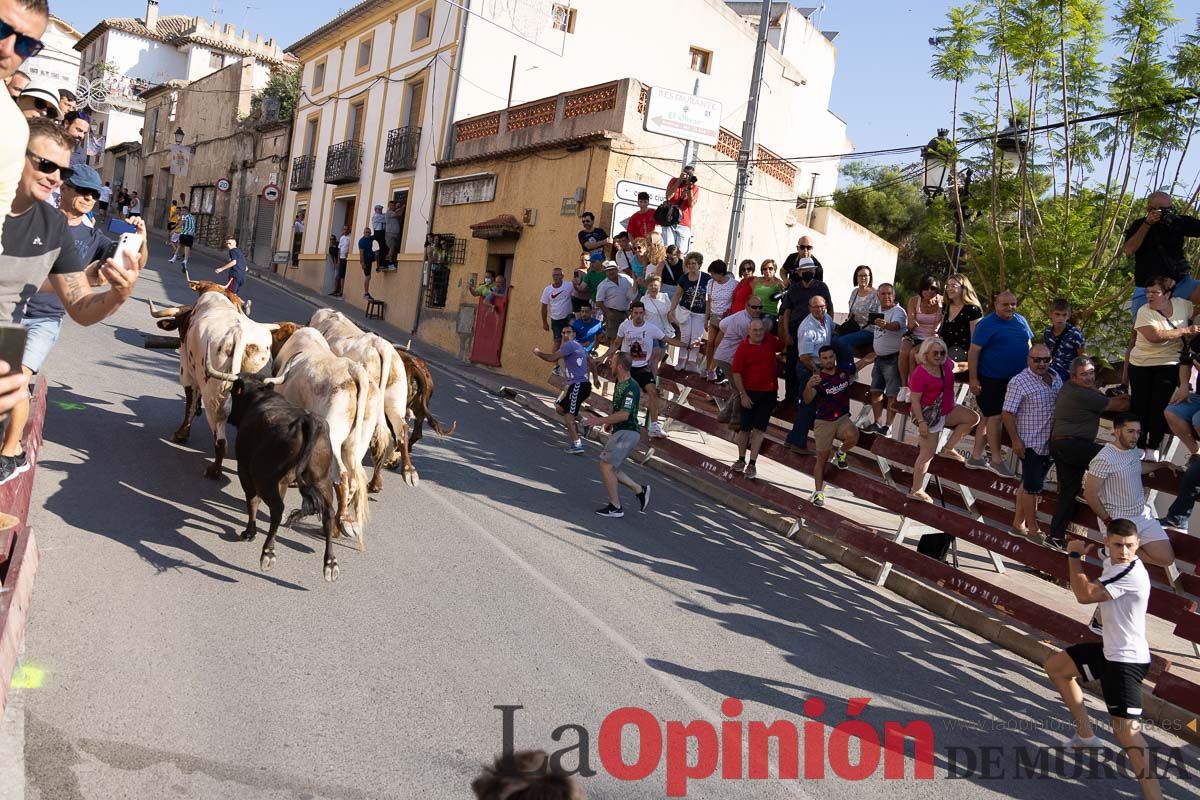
278	444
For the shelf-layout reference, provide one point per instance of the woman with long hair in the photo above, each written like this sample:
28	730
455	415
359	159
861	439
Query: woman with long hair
864	301
960	312
933	408
924	321
720	298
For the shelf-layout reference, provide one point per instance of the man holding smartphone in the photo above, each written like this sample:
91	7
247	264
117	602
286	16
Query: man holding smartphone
38	247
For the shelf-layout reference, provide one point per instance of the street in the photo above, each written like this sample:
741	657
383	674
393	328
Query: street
174	667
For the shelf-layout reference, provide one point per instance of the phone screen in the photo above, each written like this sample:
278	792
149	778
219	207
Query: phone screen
12	346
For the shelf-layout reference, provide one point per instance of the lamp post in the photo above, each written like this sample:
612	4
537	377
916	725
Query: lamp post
940	179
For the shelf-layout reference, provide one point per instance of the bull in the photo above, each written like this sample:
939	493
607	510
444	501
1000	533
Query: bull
420	397
216	341
386	368
279	444
342	393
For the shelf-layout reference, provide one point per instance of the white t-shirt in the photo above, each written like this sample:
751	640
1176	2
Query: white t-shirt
344	246
736	328
616	296
888	342
638	341
12	151
720	296
658	311
1121	471
559	300
1124	616
136	207
105	193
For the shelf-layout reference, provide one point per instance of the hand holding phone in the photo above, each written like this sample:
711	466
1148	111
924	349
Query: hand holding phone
12	347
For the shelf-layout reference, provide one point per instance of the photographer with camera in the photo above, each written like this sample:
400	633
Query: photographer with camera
1155	243
682	192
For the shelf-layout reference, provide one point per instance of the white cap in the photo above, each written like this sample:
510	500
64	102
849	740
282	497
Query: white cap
806	262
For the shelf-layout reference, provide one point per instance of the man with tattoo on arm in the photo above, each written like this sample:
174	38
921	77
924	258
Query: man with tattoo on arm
38	247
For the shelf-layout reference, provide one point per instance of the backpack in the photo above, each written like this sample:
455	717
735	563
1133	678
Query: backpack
668	215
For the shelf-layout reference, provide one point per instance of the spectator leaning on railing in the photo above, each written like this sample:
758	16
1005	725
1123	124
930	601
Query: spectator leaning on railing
999	347
733	331
1028	415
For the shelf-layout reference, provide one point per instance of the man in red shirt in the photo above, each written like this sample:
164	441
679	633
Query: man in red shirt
683	192
756	382
642	223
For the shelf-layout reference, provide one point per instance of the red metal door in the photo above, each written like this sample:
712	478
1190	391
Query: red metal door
489	331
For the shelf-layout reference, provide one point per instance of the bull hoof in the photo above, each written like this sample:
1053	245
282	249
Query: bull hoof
332	570
411	477
212	472
267	561
376	485
249	534
181	436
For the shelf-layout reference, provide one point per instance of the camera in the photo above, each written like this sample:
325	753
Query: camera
692	179
1169	215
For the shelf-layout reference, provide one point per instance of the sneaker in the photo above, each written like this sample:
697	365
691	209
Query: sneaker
610	511
739	465
644	498
904	395
1002	469
656	430
368	297
556	372
1078	742
575	449
171	260
1174	524
976	463
751	472
12	466
953	455
883	430
712	375
870	427
840	461
1154	456
818	499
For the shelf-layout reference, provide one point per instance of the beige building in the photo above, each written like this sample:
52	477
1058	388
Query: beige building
510	198
235	153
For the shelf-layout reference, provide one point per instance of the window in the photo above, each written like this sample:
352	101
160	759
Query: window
152	128
701	60
319	76
363	60
354	125
423	26
414	100
310	134
215	60
562	18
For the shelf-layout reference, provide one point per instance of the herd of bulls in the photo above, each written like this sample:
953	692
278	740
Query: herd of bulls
309	403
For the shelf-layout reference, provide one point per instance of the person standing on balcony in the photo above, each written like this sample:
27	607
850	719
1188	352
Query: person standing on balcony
392	225
379	234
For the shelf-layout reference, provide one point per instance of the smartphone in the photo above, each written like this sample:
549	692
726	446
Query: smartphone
12	346
130	243
874	315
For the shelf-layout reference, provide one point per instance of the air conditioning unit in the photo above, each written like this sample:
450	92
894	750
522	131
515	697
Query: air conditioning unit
530	217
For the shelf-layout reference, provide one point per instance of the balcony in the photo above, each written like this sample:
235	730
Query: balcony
302	173
402	147
343	162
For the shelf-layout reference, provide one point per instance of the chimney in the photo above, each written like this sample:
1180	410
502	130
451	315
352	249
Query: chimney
151	15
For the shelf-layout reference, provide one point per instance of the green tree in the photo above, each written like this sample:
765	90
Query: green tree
284	84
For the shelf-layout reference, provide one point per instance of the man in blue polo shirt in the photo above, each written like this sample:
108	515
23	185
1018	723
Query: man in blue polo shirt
999	349
236	266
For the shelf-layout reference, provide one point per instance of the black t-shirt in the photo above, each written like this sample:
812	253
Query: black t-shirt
957	332
671	274
594	235
90	243
789	264
37	243
1161	252
795	302
694	297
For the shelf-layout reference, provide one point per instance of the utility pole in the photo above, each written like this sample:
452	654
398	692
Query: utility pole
748	125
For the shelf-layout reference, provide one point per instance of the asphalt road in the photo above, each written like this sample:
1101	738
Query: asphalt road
173	667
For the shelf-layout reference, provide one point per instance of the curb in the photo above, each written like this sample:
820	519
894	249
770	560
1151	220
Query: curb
1025	642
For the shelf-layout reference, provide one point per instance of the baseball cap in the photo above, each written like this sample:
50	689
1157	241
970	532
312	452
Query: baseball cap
84	177
379	208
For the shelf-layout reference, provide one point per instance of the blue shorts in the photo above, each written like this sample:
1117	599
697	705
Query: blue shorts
1033	471
1188	410
885	375
1183	290
39	341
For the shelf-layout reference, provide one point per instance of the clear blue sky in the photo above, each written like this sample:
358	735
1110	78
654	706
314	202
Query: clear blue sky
881	88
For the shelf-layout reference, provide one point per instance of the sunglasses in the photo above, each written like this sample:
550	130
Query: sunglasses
48	167
804	247
937	352
45	108
1040	359
753	306
25	46
89	193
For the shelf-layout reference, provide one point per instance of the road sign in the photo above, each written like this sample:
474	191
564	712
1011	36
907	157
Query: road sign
223	185
684	116
270	193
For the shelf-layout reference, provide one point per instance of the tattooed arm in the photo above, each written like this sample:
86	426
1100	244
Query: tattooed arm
75	291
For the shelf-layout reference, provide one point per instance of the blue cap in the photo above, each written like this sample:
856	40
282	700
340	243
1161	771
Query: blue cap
84	177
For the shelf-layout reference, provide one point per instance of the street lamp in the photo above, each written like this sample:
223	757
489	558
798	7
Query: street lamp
179	136
1012	145
940	179
935	156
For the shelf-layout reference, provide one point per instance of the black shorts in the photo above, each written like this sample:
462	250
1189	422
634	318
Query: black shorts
1120	683
341	268
642	376
104	205
366	267
572	397
186	240
991	399
758	415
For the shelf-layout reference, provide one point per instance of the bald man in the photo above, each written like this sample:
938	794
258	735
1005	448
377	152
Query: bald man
1155	243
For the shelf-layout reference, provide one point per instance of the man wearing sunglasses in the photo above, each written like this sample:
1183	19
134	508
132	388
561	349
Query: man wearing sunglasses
37	101
804	249
22	23
38	247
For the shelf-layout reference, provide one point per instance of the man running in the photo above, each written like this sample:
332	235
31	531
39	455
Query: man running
639	339
578	388
1122	661
829	392
624	438
235	266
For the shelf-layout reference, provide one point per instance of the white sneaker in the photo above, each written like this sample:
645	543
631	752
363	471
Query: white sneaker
171	260
1077	742
904	395
656	431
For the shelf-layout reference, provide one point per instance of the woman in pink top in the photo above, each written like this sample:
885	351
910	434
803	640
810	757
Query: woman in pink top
924	319
933	408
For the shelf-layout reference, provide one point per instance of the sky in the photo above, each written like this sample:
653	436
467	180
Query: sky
882	87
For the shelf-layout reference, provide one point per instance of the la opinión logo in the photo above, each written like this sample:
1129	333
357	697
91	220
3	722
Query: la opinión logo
737	748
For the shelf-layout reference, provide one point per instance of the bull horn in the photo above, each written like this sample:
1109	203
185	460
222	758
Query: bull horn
160	314
278	379
216	373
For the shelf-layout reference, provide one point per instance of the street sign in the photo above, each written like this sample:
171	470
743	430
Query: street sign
223	185
684	116
270	193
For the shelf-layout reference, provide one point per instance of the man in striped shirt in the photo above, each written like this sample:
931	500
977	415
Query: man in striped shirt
1028	415
187	236
1113	489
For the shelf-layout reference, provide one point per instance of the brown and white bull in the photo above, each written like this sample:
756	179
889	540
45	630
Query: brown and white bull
217	341
386	368
340	391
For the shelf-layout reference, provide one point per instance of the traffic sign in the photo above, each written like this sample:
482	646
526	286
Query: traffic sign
270	193
684	116
223	185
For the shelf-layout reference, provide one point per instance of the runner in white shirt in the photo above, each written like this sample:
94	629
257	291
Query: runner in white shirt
637	337
1121	662
1113	489
557	312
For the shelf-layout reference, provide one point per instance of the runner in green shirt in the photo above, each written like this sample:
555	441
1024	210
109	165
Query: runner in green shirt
624	438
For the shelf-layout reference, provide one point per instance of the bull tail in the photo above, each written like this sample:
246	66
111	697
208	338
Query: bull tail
310	430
